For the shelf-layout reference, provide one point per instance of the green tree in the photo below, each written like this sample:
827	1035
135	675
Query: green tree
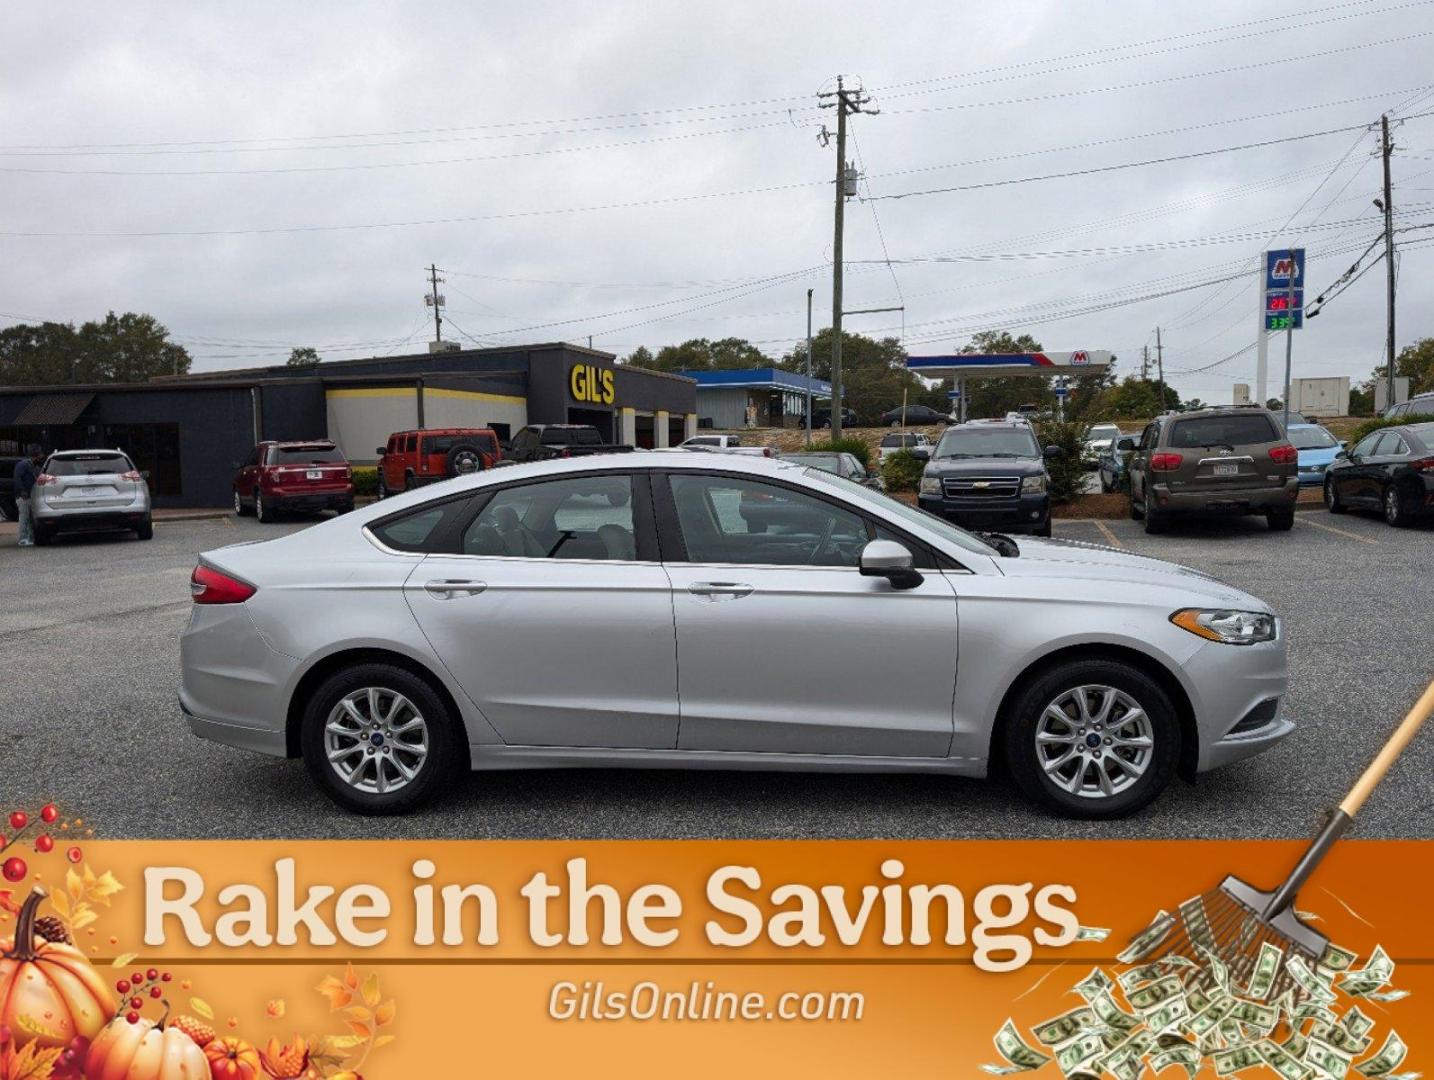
1135	398
303	356
874	373
1417	363
997	397
1274	404
700	354
117	348
639	357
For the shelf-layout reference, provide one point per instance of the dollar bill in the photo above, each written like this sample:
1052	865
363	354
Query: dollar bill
1186	1056
1282	1061
1142	974
1257	1015
1296	1043
1092	933
1267	966
1336	959
1112	1015
1313	1010
1065	1027
1197	999
1340	1037
1391	1055
1081	1051
1168	1015
1236	1058
1217	970
1308	981
1355	1022
1094	984
1327	1059
1013	1048
1387	995
1208	1019
1375	974
1145	998
1149	939
1197	923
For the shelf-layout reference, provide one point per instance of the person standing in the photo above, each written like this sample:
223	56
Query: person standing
26	472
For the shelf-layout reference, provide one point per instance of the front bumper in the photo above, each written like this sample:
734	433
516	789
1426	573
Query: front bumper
1255	500
1026	512
1230	683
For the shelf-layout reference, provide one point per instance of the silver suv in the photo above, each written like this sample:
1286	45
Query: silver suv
90	489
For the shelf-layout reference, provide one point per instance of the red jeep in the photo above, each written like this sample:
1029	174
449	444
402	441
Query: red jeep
414	458
279	476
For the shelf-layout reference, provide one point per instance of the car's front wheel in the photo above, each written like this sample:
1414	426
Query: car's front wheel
145	529
1092	739
378	739
1332	501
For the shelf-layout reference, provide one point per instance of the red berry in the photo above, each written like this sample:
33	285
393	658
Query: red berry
19	819
122	986
74	854
137	978
14	869
155	991
44	844
136	1003
49	812
152	974
132	1017
166	977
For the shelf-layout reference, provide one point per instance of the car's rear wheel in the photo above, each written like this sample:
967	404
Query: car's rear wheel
145	529
239	510
1093	739
1155	520
381	492
43	535
1394	508
1280	520
262	510
378	740
1332	501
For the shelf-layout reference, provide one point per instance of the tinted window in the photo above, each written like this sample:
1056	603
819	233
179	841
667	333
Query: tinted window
1365	447
580	517
825	462
410	444
571	437
304	455
860	493
1423	432
704	440
899	440
1312	438
727	519
1233	430
413	531
88	465
1104	431
1389	445
983	442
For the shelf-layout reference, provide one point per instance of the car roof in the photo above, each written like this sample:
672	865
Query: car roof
1009	425
88	450
441	431
297	442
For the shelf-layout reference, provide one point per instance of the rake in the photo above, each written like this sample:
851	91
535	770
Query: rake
1235	920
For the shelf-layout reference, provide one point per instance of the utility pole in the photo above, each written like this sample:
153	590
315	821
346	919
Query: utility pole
437	302
847	102
1145	363
1388	150
1160	367
809	366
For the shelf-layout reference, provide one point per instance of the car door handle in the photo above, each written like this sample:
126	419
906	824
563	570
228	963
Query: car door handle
733	589
449	588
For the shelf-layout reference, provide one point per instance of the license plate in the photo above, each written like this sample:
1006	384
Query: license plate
314	474
91	491
1227	469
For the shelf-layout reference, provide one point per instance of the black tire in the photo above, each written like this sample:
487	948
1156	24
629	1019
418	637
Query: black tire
826	425
145	529
1332	501
346	508
1280	520
380	492
1044	530
1104	487
262	510
1393	504
1137	513
9	510
239	510
1023	756
1155	520
463	459
446	747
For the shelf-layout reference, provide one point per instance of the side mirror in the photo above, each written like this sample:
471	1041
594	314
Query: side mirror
1053	451
888	559
1343	444
921	453
1341	454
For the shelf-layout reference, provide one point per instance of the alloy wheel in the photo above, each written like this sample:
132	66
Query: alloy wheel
238	504
465	463
1094	741
376	740
1392	509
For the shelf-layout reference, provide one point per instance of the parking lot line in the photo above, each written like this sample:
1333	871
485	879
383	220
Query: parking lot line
1110	536
1338	532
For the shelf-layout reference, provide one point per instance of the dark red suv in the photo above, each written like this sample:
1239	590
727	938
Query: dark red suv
414	458
280	476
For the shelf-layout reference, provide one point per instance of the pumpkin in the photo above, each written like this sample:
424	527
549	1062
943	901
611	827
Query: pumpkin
232	1059
49	993
144	1050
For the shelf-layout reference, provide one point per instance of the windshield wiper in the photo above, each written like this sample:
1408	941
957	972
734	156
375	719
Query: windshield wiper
1002	543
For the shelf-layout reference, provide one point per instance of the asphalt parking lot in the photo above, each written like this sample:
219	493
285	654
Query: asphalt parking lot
89	632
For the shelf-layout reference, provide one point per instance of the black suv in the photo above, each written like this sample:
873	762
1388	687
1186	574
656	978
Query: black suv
990	475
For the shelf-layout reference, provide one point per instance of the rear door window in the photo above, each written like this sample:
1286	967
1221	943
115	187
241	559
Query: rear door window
580	517
1235	430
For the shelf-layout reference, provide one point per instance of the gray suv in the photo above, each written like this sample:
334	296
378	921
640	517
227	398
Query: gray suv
90	489
1214	461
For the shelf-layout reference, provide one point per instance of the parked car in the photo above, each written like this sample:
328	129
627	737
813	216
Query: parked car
1317	448
822	417
1390	470
989	476
538	442
81	490
1020	417
556	614
1418	405
8	510
289	477
1097	438
914	415
907	440
723	444
414	458
840	464
1112	462
1233	460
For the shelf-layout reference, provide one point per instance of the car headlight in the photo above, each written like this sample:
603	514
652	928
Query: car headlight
1231	627
1033	485
930	485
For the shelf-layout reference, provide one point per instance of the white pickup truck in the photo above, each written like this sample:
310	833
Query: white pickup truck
723	444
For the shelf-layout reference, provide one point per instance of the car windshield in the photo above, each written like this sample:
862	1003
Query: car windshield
1103	433
304	455
88	465
990	442
899	440
1233	430
575	436
826	462
1312	438
860	493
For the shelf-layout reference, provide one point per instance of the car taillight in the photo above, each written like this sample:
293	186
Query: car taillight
133	476
1165	462
766	451
566	453
1423	465
209	586
45	478
1285	454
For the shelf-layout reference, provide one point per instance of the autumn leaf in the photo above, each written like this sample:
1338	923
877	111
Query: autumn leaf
31	1062
123	960
61	903
74	885
359	1013
202	1007
371	992
383	1040
337	993
363	1031
333	1045
276	1008
103	888
384	1014
84	915
351	979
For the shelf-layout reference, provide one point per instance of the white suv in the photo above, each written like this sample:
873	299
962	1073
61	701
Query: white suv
90	489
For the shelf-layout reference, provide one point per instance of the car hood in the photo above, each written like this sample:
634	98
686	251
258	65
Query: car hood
1074	560
984	466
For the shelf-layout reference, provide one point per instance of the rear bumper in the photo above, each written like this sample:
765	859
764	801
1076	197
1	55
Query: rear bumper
1234	501
1024	512
306	499
95	520
234	687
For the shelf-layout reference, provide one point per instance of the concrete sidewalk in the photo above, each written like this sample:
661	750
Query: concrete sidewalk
10	528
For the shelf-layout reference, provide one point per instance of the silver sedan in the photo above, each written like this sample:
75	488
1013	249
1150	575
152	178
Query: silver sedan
678	610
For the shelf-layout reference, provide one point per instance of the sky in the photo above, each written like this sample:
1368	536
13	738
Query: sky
261	176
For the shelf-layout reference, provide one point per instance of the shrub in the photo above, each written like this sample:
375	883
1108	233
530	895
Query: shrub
365	480
857	448
1380	422
1066	471
902	471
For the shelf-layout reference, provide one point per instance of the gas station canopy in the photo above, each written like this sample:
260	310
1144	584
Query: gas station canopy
999	365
